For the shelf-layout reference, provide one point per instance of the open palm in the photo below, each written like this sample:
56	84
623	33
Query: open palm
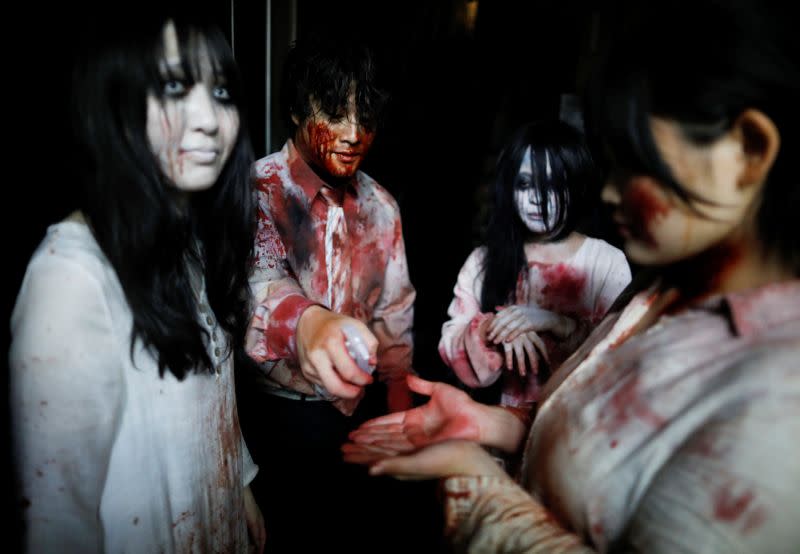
449	414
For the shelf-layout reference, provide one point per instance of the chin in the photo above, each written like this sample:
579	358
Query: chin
196	182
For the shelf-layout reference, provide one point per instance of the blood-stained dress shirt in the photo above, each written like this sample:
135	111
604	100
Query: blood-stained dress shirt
683	438
342	249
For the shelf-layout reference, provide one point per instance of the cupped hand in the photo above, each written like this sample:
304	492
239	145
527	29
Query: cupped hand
449	414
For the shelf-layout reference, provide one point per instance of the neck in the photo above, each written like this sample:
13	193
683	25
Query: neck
734	265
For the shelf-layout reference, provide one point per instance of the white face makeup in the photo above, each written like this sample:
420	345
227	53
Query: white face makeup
527	200
193	130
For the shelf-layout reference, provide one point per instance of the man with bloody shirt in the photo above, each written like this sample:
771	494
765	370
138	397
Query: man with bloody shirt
329	253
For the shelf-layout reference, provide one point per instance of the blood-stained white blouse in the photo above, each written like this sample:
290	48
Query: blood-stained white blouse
683	438
110	456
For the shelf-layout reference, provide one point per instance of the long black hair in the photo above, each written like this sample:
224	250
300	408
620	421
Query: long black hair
573	173
702	63
153	242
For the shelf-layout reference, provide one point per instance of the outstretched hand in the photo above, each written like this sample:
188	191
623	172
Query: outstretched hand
449	414
444	459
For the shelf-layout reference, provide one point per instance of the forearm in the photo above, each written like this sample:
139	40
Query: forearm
392	324
500	428
272	330
491	514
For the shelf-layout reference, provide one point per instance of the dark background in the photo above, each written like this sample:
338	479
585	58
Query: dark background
462	75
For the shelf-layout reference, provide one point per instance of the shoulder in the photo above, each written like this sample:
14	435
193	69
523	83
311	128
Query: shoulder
69	251
476	258
601	248
603	256
270	165
271	174
373	194
68	284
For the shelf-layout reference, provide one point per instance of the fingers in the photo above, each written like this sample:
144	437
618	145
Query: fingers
364	453
380	434
519	352
344	365
530	351
388	420
509	356
319	370
420	386
539	343
438	460
510	327
401	467
499	323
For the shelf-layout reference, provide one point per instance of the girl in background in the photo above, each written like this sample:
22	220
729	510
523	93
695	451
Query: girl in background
526	299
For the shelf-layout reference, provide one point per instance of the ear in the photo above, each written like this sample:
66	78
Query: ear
760	144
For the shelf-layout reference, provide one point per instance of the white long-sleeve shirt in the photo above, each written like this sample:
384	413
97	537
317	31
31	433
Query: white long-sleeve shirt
111	457
682	438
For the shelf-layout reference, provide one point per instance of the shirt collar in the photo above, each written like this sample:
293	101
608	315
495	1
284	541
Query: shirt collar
756	311
301	173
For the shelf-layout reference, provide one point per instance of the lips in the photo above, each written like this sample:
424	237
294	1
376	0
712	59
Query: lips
201	155
348	156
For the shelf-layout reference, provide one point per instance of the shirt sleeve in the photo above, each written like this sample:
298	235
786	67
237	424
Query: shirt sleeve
493	514
473	360
67	396
279	300
393	317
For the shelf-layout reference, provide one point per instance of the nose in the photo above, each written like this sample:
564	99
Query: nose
350	131
201	111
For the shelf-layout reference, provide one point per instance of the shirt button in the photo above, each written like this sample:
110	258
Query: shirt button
216	352
209	320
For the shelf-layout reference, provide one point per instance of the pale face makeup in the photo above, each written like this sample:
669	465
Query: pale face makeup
192	131
337	146
657	225
526	197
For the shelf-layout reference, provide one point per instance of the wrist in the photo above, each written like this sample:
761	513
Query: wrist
499	428
309	318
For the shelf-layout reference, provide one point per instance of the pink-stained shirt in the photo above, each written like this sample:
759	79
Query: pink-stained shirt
683	438
582	288
296	246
